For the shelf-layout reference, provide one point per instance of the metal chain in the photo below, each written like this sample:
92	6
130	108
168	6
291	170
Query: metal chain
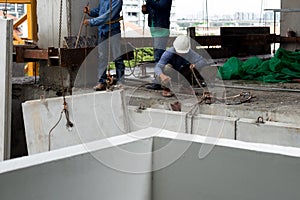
60	22
109	35
109	78
69	17
5	10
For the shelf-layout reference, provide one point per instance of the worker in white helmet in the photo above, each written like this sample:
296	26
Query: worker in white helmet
177	61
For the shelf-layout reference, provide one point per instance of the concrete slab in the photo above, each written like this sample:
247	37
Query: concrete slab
232	170
215	126
90	171
49	12
163	119
6	29
136	166
276	133
95	116
205	125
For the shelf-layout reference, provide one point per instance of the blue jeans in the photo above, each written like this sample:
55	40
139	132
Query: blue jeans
104	57
159	46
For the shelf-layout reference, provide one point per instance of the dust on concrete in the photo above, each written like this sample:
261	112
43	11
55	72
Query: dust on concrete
277	100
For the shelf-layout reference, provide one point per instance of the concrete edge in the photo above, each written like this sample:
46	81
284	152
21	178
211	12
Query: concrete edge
68	152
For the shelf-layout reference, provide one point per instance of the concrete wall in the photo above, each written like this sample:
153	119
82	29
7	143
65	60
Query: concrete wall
78	173
206	125
48	13
6	28
104	114
233	170
155	164
290	21
243	129
95	116
269	132
164	119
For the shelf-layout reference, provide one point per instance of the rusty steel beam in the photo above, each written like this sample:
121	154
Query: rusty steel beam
29	53
229	46
245	40
73	57
209	40
289	39
56	57
37	54
143	41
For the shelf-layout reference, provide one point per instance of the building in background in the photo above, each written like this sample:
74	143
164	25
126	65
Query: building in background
133	17
14	9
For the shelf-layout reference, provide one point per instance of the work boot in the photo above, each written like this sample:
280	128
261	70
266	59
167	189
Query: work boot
167	92
154	86
100	87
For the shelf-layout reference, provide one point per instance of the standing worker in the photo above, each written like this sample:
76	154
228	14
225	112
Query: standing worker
179	62
159	12
106	17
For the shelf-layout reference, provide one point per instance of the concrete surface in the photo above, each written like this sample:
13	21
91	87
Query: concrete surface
232	170
288	22
205	125
155	164
80	172
95	116
107	112
269	132
49	12
6	29
158	118
215	126
278	102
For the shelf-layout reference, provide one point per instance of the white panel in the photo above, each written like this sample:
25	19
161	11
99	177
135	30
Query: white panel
233	170
6	28
206	125
48	13
77	173
95	116
123	167
163	119
269	132
214	126
288	21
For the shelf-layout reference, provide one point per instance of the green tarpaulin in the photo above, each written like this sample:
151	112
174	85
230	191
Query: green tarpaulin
283	67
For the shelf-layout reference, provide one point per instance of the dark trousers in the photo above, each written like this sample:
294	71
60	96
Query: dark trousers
184	76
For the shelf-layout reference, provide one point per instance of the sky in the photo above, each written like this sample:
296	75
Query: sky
190	7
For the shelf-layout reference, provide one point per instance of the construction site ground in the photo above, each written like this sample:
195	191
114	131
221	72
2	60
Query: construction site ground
272	101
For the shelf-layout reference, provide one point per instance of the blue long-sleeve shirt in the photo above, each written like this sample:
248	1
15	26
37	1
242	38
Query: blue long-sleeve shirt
102	15
179	61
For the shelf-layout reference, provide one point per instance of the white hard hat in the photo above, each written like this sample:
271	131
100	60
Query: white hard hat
182	44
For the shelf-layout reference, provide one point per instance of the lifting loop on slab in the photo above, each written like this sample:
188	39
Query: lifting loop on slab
69	124
260	120
5	14
60	23
5	11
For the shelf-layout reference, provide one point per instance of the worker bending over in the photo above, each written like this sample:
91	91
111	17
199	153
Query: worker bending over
177	64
